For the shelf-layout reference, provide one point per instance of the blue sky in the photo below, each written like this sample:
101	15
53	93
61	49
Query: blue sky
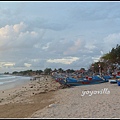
68	35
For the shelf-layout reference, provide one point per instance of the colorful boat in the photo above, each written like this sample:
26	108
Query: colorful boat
118	82
68	81
112	81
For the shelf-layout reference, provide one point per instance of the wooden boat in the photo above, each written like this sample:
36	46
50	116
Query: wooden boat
112	81
75	82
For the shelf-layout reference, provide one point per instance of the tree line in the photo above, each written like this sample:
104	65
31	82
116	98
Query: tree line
108	62
46	71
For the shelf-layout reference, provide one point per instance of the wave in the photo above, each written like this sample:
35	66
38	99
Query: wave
10	81
7	82
6	77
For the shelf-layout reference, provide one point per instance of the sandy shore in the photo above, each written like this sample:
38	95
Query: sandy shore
24	100
70	103
42	98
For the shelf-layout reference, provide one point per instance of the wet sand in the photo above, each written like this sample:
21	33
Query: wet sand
23	101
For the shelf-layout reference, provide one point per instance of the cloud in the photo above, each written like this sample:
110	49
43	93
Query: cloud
111	41
95	11
6	64
78	44
15	36
39	35
96	59
37	49
27	64
19	27
67	60
90	46
46	46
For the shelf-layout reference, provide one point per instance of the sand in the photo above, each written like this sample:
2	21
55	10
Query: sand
43	98
22	101
69	103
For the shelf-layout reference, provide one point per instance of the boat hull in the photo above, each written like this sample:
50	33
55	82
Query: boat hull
73	82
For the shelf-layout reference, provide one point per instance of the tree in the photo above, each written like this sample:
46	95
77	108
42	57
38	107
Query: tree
39	72
47	71
60	70
70	70
6	73
111	59
15	72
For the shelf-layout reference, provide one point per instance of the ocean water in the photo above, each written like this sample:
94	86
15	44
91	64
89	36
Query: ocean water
10	81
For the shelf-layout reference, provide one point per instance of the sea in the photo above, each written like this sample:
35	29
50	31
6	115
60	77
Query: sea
11	81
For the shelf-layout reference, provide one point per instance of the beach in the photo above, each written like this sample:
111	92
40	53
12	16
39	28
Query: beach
44	98
23	100
69	103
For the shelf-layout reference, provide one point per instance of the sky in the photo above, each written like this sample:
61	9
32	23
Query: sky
70	35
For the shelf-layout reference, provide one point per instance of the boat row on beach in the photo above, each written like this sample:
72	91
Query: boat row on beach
71	80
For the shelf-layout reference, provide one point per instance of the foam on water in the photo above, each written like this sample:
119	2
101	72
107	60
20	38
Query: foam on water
10	81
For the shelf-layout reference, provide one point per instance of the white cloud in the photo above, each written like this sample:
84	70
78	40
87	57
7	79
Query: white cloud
11	30
27	64
35	60
7	64
67	60
96	59
46	46
101	52
19	27
90	46
17	36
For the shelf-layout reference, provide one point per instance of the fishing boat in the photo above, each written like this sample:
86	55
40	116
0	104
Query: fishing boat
118	82
68	81
112	81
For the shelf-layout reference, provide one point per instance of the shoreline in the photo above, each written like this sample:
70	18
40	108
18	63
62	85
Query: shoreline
26	99
9	83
